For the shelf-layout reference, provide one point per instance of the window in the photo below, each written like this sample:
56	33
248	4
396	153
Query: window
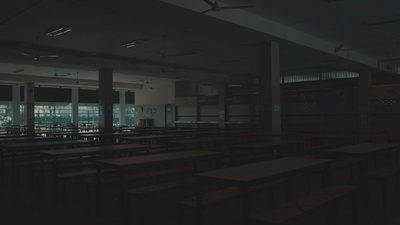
48	113
5	114
88	114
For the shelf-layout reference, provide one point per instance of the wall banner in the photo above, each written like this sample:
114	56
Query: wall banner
384	92
301	96
186	101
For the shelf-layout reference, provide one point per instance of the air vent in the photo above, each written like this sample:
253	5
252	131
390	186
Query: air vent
385	21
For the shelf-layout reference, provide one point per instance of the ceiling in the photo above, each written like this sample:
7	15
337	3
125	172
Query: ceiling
179	43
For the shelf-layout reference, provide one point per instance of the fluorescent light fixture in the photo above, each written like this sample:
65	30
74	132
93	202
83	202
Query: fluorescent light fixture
18	71
59	31
133	43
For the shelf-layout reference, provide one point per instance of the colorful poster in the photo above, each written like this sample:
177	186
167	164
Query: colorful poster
340	94
301	96
185	101
207	100
243	99
384	92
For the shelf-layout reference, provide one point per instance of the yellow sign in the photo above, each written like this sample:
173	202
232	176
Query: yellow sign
186	101
384	92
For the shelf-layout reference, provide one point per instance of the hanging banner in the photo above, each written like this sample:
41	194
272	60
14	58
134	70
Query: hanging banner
242	99
384	92
301	96
340	94
186	101
207	100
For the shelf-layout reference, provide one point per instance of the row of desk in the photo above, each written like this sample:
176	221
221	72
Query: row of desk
243	176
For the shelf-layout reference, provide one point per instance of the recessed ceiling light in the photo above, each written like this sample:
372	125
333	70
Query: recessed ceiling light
58	31
133	43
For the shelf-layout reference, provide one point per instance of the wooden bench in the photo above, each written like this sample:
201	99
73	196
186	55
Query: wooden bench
92	185
383	175
140	193
341	164
347	163
62	178
246	159
306	205
225	195
67	164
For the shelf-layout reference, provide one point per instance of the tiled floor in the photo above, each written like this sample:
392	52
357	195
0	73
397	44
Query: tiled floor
19	207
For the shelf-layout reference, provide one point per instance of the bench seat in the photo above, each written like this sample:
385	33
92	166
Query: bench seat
306	205
92	185
382	176
224	195
61	178
140	193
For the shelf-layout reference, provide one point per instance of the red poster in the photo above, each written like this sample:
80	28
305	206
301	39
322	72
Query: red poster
301	96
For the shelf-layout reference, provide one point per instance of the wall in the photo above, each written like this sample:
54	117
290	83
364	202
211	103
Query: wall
163	92
151	103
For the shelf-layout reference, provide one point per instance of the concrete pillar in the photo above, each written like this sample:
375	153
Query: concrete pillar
29	98
75	106
122	108
16	105
106	100
269	88
364	82
222	89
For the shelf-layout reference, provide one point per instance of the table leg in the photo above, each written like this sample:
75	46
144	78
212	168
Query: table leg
122	191
246	213
289	191
40	184
55	181
199	208
2	167
98	200
363	179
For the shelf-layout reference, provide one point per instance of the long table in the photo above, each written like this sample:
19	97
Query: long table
204	141
151	138
20	139
277	145
16	148
335	140
364	152
257	173
129	163
106	136
55	155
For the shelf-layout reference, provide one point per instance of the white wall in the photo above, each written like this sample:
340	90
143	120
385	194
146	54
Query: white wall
163	92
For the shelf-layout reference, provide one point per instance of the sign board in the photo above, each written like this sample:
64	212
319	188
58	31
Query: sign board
301	96
185	101
384	92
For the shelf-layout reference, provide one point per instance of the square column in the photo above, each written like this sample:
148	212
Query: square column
29	98
75	106
122	108
269	88
364	82
106	100
222	88
16	105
